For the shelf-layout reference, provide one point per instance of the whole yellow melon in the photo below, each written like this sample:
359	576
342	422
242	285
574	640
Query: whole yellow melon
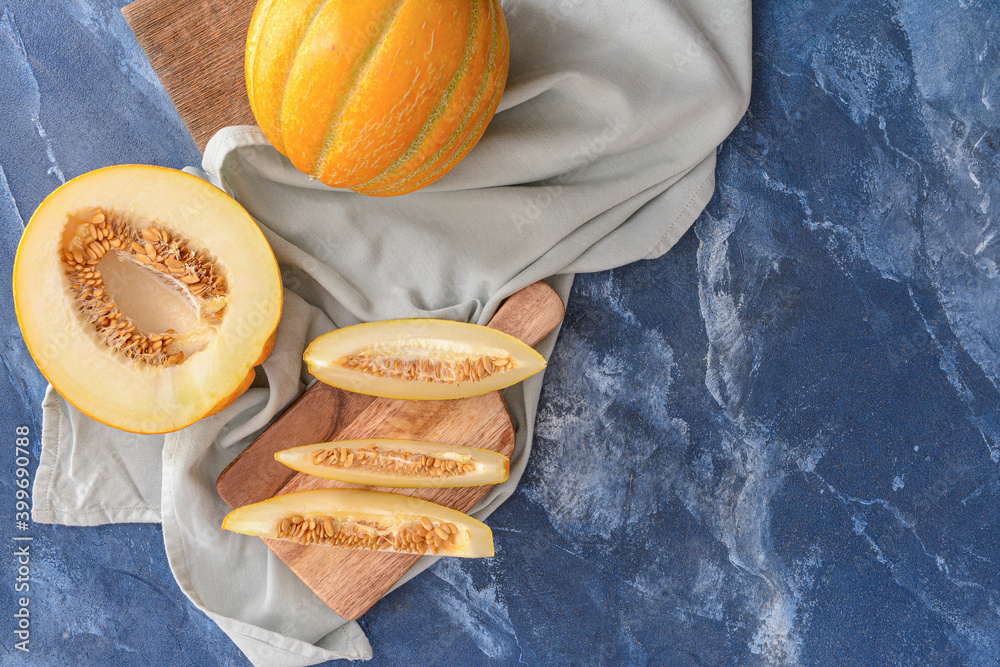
379	96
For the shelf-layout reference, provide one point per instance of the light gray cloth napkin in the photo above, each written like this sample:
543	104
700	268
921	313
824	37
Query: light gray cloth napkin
602	153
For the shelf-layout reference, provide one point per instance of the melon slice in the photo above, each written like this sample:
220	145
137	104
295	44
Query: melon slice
421	359
369	520
398	463
146	296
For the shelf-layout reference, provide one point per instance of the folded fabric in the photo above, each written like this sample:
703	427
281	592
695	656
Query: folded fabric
602	153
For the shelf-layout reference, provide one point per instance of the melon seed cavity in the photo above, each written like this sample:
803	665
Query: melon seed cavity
423	536
396	461
387	364
154	249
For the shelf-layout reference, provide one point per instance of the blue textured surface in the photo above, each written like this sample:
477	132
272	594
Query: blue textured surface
778	444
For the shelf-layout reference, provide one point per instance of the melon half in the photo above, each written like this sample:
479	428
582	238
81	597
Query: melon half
146	296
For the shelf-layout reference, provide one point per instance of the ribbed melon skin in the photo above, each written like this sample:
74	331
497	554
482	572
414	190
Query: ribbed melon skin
379	96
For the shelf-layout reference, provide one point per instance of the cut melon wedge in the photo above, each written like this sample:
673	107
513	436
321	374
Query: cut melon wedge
421	359
369	520
398	463
146	296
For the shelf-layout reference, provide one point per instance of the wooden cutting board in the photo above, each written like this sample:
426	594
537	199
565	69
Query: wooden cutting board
196	48
349	581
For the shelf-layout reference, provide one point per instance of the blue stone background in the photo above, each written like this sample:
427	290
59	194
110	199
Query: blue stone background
778	444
